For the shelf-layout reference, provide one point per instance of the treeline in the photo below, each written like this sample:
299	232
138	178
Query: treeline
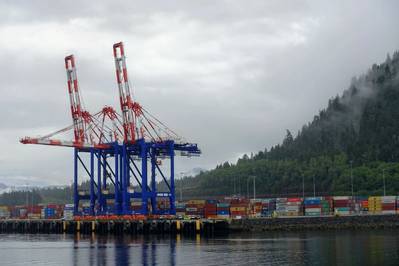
358	133
58	195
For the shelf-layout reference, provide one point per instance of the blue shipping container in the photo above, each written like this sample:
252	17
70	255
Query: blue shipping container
312	202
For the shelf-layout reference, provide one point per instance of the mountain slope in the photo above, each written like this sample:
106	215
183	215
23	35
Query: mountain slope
358	128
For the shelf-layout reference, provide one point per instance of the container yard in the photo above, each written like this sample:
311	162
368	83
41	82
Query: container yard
228	208
212	217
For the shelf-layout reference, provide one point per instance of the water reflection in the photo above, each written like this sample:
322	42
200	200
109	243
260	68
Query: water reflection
110	250
301	248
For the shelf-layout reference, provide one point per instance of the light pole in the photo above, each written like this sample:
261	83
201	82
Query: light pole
254	188
383	180
247	187
181	186
239	186
303	186
351	162
314	187
234	181
71	191
27	196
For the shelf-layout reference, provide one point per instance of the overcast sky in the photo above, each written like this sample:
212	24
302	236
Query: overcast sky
231	76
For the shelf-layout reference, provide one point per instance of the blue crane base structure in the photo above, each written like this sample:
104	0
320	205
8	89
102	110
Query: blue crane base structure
127	173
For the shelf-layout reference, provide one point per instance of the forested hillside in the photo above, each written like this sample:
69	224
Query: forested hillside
358	128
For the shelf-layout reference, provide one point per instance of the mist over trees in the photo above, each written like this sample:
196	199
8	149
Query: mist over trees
359	128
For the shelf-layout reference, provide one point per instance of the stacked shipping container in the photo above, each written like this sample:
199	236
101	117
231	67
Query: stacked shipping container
342	205
326	205
293	207
68	212
180	209
312	206
223	210
281	206
239	208
268	207
374	205
388	204
195	208
4	212
210	209
256	207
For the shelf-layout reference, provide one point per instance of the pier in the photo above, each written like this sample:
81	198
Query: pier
116	227
206	227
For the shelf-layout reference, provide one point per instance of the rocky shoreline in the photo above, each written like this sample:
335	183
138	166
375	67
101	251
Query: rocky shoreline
314	223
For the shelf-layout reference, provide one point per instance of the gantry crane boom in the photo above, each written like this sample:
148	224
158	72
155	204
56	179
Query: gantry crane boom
125	96
75	101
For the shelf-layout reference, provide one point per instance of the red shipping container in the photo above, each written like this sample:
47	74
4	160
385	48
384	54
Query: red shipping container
341	203
239	205
194	205
238	213
308	206
34	209
210	206
388	206
239	201
294	199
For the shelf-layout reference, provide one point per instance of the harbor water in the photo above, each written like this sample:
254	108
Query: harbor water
361	247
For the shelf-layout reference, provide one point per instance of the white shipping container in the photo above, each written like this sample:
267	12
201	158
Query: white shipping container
267	200
312	209
281	213
68	215
255	200
4	214
388	197
388	201
293	208
389	212
341	198
314	198
296	203
343	212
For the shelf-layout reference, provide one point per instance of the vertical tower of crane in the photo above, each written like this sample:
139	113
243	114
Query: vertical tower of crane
74	97
126	101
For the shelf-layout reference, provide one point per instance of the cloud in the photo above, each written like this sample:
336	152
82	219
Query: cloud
229	76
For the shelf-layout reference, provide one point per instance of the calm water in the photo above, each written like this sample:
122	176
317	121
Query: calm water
304	248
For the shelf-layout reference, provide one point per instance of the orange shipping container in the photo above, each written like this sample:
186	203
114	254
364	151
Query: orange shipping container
239	209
